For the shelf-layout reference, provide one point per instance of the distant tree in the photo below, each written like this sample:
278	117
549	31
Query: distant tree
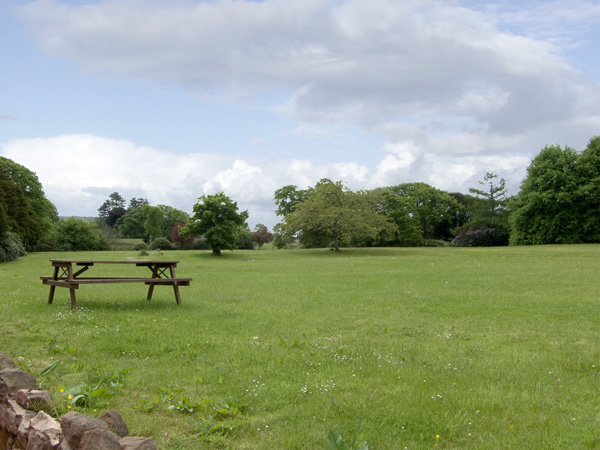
434	209
244	239
261	235
178	239
494	195
488	224
336	212
171	216
136	203
153	224
216	217
131	224
112	209
546	210
75	234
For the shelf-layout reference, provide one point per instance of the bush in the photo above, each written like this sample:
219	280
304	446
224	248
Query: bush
161	244
481	235
75	234
11	247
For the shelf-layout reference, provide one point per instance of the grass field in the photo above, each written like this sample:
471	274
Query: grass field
495	348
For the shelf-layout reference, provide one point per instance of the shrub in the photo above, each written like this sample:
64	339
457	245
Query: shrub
11	247
481	235
161	244
75	234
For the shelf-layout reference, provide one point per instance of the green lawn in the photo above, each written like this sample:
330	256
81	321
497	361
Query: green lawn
495	348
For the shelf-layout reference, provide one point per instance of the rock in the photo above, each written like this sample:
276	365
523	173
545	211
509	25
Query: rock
13	417
115	423
137	443
35	399
99	439
6	362
11	380
44	433
74	425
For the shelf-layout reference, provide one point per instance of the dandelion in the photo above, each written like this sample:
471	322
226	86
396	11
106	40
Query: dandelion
61	390
69	397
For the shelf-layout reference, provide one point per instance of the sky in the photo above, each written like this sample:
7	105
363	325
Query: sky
170	100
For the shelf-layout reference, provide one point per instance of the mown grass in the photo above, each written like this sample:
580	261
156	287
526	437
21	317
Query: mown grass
418	348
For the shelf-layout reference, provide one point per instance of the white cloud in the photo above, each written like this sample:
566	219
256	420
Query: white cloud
78	172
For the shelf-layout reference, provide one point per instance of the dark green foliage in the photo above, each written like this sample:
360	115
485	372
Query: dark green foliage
217	219
588	191
244	240
19	217
112	209
420	210
280	241
75	234
160	244
481	234
11	247
29	183
131	224
559	199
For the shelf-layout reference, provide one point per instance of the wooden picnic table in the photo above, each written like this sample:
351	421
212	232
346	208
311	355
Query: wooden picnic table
67	273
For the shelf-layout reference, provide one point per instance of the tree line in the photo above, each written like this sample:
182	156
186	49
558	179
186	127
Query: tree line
558	202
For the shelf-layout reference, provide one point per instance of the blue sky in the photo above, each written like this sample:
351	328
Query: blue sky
170	100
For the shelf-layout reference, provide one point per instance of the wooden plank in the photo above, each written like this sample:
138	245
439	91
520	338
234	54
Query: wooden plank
55	283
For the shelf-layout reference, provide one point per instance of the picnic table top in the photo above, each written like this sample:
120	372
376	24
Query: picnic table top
125	261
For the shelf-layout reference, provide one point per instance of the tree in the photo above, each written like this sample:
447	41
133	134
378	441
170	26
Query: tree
29	183
171	216
216	217
20	218
153	224
434	209
112	209
588	191
494	195
261	235
488	224
131	224
334	211
547	209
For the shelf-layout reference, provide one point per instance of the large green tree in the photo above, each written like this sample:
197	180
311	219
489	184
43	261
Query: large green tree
19	216
29	183
433	210
334	211
216	217
588	191
549	206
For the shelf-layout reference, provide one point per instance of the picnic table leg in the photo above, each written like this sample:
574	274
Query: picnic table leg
175	287
53	288
151	287
73	299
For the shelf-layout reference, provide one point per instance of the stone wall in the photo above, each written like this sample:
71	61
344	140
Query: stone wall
25	426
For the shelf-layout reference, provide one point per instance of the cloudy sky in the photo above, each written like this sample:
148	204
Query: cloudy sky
172	99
